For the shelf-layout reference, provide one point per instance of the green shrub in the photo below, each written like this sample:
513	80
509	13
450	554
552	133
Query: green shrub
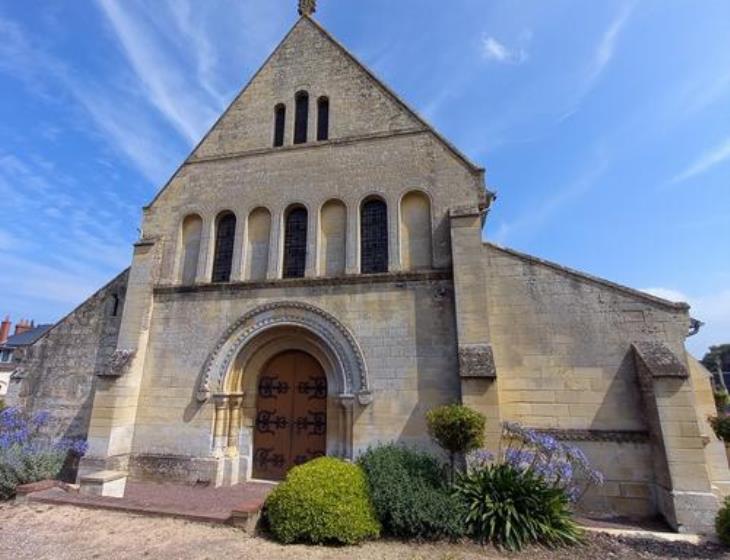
721	425
410	495
512	507
722	522
722	397
324	501
456	428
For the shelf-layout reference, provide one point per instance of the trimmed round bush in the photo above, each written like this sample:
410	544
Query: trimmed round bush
411	497
456	428
722	522
512	507
324	501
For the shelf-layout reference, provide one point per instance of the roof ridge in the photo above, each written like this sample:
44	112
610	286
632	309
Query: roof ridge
586	276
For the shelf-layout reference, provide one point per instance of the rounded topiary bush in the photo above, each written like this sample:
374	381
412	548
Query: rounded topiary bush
722	522
410	494
324	501
456	428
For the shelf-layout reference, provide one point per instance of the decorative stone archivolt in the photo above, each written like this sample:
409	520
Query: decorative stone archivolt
333	334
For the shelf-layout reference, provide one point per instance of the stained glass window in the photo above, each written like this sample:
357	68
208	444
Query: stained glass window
373	237
223	260
295	243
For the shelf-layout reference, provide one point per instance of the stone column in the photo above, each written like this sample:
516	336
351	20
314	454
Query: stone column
346	425
310	269
275	245
221	424
234	423
352	242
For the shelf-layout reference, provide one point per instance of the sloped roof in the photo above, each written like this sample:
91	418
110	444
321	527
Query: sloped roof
28	337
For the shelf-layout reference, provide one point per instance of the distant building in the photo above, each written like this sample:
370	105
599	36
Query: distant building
26	333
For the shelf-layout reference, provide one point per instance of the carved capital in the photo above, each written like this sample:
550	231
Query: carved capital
476	360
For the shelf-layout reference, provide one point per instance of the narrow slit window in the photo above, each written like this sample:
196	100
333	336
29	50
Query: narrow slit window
301	117
323	118
279	124
295	243
223	260
373	237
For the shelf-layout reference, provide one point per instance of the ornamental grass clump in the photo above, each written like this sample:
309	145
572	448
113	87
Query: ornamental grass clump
411	496
324	501
26	455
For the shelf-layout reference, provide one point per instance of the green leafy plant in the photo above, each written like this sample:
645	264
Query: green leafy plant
411	497
457	429
722	397
324	501
722	522
721	426
512	507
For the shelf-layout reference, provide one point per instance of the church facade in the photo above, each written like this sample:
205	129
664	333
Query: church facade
312	280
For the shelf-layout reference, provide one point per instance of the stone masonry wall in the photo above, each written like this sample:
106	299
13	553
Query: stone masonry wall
405	330
58	372
562	350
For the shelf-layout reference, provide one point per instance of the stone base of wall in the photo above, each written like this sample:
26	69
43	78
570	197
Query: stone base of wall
214	471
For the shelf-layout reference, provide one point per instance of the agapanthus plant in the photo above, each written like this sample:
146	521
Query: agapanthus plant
559	464
26	453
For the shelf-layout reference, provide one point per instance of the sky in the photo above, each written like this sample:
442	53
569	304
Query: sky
604	127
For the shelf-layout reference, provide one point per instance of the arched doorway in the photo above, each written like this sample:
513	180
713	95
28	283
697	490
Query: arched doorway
291	414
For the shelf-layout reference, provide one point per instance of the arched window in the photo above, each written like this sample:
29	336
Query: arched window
373	236
295	243
192	229
279	123
301	117
333	233
257	245
224	238
323	118
415	231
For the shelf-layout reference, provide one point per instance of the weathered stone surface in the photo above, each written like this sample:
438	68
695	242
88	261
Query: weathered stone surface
57	373
660	360
476	360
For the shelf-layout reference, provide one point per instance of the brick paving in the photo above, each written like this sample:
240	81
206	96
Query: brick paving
215	505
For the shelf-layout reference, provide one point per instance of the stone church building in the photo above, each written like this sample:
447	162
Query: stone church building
313	279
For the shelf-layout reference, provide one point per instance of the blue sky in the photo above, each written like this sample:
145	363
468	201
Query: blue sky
604	126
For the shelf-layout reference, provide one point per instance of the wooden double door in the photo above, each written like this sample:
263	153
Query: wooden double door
291	415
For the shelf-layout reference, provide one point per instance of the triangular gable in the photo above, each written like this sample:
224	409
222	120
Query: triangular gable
308	57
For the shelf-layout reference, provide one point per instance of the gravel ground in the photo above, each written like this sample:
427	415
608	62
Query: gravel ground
40	531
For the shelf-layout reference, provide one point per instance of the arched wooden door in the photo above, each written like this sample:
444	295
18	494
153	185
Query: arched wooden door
291	415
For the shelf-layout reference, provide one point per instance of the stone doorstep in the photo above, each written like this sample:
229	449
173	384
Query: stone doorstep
100	477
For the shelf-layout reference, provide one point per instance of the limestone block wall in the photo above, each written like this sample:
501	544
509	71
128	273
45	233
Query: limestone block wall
58	372
405	328
562	345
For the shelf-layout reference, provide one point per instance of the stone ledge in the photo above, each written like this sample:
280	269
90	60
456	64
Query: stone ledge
367	279
615	436
660	360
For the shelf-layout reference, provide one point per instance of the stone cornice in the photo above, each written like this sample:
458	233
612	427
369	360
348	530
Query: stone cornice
366	279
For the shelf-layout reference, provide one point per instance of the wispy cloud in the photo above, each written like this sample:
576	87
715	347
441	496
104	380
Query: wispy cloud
495	51
607	44
164	80
706	161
